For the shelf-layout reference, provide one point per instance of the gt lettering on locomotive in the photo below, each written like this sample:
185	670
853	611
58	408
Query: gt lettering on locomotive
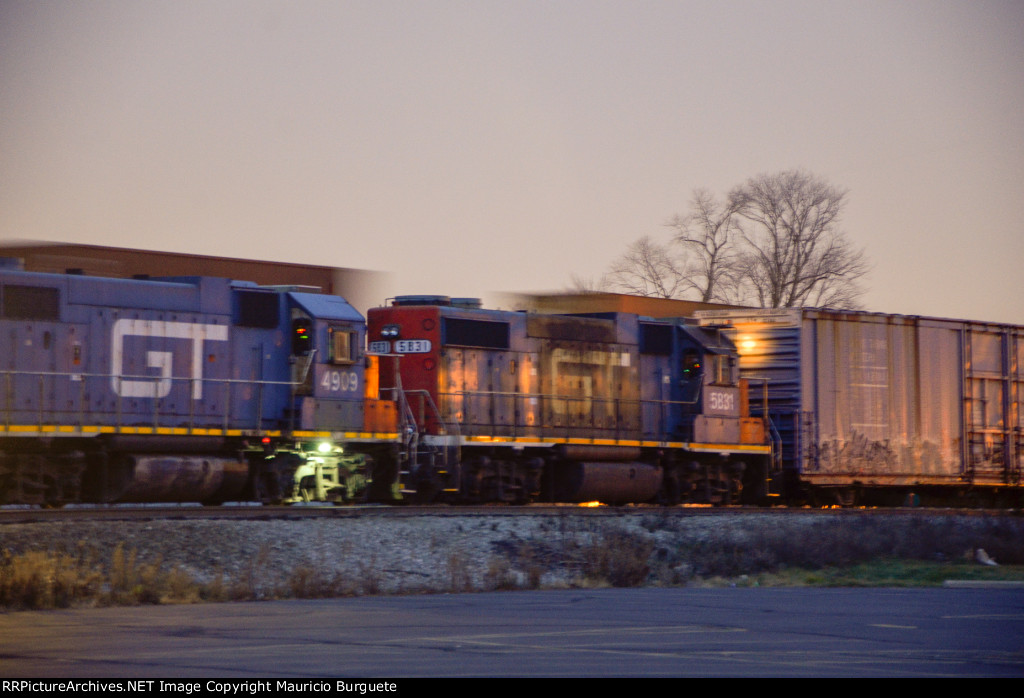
196	333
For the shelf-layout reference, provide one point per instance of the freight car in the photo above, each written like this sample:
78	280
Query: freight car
886	409
515	407
179	389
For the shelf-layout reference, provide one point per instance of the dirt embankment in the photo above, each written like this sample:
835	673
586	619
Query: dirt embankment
233	558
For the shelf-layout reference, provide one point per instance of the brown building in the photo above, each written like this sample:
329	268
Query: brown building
363	289
569	302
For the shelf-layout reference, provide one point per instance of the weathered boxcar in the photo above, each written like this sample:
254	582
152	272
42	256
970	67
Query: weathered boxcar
887	407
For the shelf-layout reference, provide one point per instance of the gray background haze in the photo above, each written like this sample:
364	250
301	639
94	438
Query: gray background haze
471	147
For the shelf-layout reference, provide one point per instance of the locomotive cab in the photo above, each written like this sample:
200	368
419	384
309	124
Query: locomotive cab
709	381
692	394
326	363
317	414
695	388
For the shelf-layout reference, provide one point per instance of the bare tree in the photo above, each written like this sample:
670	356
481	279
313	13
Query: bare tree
710	234
774	241
794	252
585	284
648	268
701	261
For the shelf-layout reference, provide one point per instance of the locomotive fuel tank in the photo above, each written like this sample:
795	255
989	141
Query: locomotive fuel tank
610	482
177	478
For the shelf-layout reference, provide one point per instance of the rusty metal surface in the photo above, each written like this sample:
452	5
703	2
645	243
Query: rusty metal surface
603	384
571	328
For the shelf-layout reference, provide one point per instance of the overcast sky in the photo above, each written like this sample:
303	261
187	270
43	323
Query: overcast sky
471	147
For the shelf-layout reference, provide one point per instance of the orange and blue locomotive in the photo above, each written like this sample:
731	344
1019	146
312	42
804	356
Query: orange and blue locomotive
613	407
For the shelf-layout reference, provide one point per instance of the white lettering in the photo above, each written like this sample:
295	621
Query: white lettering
721	402
339	381
197	333
412	346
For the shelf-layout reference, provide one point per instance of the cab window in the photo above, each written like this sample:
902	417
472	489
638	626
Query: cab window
343	347
692	368
302	336
722	369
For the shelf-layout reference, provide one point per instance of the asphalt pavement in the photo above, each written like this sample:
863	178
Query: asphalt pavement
735	632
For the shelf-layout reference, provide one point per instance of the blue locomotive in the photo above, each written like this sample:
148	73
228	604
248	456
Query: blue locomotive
176	389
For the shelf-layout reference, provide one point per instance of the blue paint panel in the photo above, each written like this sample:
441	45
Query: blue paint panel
164	353
132	294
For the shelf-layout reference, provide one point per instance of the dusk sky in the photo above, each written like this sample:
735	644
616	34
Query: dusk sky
486	146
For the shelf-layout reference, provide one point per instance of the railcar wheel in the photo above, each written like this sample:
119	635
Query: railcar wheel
846	496
42	479
670	493
307	488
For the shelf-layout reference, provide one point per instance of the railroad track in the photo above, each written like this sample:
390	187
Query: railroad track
245	511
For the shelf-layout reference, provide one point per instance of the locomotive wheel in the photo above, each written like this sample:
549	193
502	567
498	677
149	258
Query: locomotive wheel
307	488
670	493
265	485
339	493
715	486
846	496
511	490
42	479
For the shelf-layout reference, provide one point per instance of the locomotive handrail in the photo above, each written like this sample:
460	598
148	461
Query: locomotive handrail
612	407
137	376
773	431
49	392
305	369
298	388
405	409
453	460
453	426
410	425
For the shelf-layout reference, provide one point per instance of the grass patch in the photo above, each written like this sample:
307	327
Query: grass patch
615	559
880	573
